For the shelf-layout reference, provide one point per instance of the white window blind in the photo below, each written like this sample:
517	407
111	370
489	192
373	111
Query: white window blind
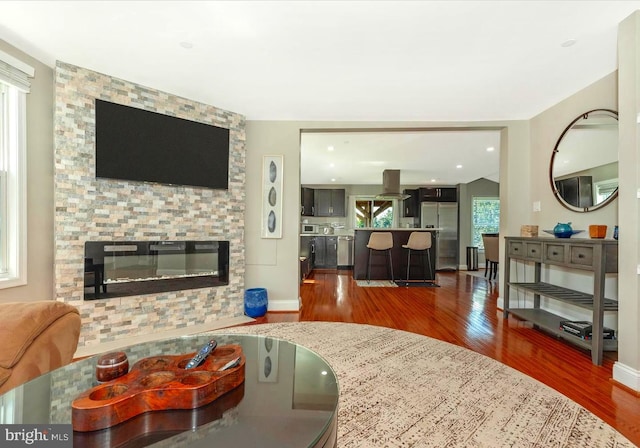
14	87
15	72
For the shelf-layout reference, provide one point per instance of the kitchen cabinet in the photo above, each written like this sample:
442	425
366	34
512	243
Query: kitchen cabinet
329	202
307	256
438	194
411	205
307	248
326	252
594	255
306	201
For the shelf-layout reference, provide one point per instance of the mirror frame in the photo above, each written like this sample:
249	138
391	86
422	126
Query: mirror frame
554	188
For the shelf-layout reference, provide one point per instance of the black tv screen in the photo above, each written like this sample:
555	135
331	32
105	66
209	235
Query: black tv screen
139	145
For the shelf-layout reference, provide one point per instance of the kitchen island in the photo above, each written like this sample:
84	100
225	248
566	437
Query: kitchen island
379	269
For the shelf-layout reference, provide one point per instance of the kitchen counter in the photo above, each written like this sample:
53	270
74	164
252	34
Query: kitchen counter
337	232
398	256
399	229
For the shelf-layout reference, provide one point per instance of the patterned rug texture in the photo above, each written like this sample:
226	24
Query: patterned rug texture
376	284
400	389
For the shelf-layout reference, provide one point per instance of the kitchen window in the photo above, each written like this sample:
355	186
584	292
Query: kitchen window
376	213
14	85
485	218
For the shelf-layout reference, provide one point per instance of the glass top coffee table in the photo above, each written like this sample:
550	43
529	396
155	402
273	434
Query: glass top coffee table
289	398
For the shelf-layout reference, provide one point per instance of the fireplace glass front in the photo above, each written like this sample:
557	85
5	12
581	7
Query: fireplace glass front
119	269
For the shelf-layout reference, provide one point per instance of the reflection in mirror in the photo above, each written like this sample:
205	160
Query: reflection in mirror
584	165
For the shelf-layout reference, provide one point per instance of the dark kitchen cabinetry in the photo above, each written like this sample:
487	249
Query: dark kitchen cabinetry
307	249
438	194
306	201
326	252
576	191
411	205
329	202
307	256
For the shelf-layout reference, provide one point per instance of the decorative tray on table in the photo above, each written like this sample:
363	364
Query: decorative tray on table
567	234
159	383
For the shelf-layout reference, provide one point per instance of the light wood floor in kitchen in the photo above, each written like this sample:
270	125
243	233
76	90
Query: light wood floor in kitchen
463	311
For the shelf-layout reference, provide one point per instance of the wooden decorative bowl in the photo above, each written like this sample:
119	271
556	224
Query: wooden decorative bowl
151	427
158	383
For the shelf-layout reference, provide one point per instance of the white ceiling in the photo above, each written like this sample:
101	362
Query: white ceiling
422	157
338	60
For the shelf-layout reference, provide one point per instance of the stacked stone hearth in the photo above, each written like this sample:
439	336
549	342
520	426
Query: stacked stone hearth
90	209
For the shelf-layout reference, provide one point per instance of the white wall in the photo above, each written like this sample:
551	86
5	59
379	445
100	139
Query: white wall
273	264
627	369
546	128
39	185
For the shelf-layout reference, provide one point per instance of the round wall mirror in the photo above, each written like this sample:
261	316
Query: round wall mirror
584	164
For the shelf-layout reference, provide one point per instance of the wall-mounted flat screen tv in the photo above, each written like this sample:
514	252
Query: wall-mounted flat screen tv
139	145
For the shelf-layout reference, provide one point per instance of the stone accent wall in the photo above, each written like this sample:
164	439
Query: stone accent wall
87	208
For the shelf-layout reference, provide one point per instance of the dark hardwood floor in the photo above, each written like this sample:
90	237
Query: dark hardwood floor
463	311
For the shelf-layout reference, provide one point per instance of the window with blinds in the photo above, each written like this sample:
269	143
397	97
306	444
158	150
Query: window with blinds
14	86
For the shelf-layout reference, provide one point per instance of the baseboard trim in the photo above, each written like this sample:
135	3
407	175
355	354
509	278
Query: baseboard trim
284	305
104	347
626	376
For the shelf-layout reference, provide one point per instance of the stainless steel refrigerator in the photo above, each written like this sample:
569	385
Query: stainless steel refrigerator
443	215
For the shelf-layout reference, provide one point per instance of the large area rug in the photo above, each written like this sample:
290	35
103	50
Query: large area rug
399	389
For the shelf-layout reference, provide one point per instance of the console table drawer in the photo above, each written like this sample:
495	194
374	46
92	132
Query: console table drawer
534	251
554	253
516	249
525	250
581	255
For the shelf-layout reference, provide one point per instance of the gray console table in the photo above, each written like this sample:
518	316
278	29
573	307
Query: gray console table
595	255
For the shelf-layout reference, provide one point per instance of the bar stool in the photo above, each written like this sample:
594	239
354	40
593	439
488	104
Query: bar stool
379	241
419	242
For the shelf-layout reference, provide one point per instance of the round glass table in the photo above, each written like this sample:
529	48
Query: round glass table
289	398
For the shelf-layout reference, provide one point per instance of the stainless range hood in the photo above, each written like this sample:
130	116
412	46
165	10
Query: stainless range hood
391	186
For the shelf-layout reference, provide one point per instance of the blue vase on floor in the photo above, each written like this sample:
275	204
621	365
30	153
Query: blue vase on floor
255	302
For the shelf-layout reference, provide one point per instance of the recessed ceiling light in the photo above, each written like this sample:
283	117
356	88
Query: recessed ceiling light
330	148
331	165
333	179
568	43
433	180
186	45
490	148
458	166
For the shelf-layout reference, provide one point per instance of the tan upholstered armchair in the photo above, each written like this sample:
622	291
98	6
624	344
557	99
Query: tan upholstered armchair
37	337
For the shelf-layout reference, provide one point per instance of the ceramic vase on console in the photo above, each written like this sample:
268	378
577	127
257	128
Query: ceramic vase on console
562	230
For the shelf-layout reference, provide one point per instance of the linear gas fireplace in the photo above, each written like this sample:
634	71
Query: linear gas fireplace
119	268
